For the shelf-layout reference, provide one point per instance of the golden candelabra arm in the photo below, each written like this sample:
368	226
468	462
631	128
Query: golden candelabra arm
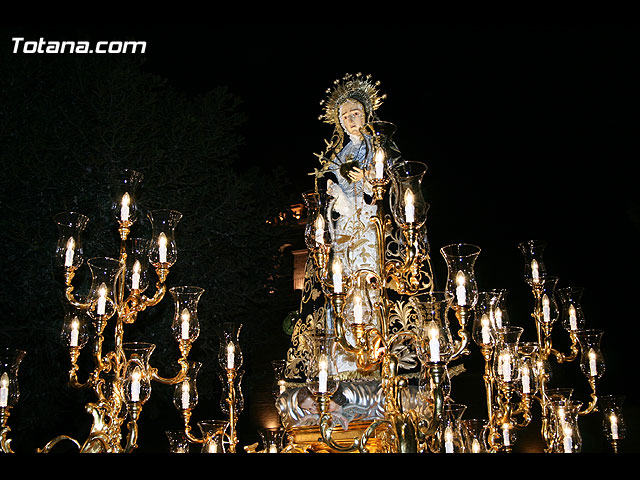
179	377
134	410
5	441
574	352
231	402
74	353
592	406
69	274
436	372
523	410
52	443
487	353
186	418
137	303
161	289
461	345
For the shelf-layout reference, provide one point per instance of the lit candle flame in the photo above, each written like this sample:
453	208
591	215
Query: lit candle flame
461	294
409	209
357	309
434	343
136	375
4	390
337	276
124	210
230	355
75	330
323	373
68	257
135	277
320	230
593	370
185	394
573	319
379	159
102	300
535	274
186	317
162	248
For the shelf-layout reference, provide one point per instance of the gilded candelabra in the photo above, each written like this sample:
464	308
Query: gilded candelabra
121	379
367	294
516	372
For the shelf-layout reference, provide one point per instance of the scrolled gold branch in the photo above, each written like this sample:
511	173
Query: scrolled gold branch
184	368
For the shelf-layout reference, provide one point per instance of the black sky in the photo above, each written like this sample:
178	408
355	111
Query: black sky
528	130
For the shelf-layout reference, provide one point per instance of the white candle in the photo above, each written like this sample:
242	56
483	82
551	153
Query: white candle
273	449
124	210
409	209
593	370
506	367
357	309
535	274
526	380
486	333
448	440
185	395
4	390
68	256
505	435
337	276
322	374
379	164
102	300
230	356
320	230
546	309
573	321
498	317
162	248
461	293
135	276
434	344
282	386
561	417
475	446
75	327
614	427
185	324
135	385
567	441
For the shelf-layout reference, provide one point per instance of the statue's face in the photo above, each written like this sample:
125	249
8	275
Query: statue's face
352	116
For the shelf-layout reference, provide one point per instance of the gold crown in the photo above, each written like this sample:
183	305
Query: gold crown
356	87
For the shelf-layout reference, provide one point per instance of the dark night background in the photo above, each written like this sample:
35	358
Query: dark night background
529	132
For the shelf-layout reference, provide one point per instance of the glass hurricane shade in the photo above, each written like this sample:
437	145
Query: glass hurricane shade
185	325
69	250
124	189
407	203
461	285
163	251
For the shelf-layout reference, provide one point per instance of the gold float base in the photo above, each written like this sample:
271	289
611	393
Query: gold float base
309	439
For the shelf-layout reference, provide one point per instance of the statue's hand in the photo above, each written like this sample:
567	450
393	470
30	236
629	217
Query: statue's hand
356	174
